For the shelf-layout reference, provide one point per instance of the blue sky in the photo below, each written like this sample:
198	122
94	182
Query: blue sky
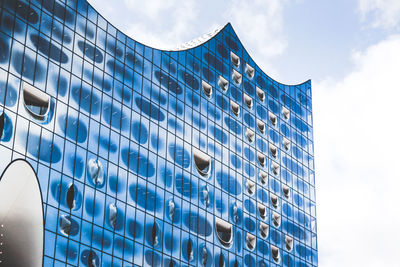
350	49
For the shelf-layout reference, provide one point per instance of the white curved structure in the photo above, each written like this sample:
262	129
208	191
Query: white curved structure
21	216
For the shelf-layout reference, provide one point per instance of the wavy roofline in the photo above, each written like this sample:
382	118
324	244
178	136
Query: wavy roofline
244	48
212	36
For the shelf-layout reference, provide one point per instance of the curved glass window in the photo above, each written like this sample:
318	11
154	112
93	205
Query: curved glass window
36	102
250	241
250	135
286	190
261	126
65	224
235	108
272	118
235	59
264	230
263	177
207	89
260	94
1	124
223	83
276	219
275	168
261	159
273	150
288	243
171	209
275	254
202	162
285	113
248	101
112	216
224	232
249	71
251	187
237	77
286	144
262	211
71	196
274	200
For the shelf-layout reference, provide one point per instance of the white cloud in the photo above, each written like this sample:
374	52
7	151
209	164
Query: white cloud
162	24
356	150
260	27
157	23
385	13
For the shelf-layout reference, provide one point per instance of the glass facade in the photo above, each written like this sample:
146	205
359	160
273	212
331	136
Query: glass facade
145	157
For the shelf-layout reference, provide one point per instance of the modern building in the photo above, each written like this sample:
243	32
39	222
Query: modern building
114	153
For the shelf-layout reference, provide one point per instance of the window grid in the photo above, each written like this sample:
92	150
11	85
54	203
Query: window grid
105	99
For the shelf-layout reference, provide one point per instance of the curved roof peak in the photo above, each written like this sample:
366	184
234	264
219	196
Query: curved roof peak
230	38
